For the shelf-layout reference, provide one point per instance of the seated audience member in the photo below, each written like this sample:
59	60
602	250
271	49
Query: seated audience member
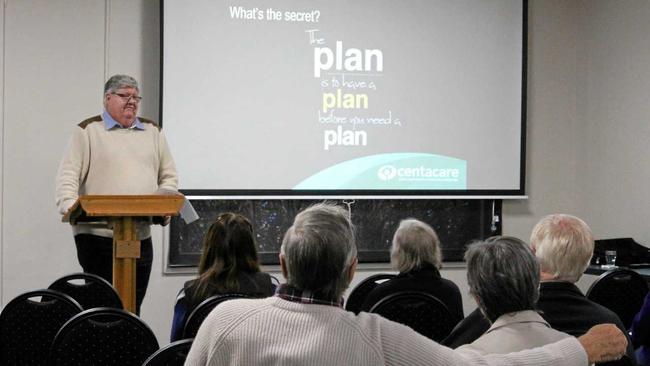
563	246
503	278
416	254
228	265
304	324
641	333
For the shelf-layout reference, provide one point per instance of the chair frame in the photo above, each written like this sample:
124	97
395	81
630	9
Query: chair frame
612	273
177	346
213	301
83	316
352	303
42	292
388	300
59	296
275	282
89	276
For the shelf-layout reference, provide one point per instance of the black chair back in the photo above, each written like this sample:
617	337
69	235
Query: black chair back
620	290
103	336
421	311
91	291
29	323
173	354
360	292
201	312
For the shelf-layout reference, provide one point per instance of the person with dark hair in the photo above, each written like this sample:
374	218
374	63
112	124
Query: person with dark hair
305	324
228	265
416	253
503	278
115	153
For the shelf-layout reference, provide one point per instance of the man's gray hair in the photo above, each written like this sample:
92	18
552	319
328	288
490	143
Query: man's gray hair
116	82
503	276
415	243
318	250
563	245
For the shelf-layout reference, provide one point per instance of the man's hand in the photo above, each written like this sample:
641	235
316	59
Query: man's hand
603	342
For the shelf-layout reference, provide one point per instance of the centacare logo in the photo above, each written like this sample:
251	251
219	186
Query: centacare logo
387	172
419	173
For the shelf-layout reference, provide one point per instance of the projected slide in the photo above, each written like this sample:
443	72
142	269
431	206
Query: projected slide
372	96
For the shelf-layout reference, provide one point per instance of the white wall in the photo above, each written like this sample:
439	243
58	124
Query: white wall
553	88
587	128
614	140
57	55
2	98
53	72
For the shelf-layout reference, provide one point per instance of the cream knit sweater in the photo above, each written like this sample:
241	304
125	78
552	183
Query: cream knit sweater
274	331
116	161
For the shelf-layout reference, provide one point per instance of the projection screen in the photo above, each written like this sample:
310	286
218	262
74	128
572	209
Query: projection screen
346	98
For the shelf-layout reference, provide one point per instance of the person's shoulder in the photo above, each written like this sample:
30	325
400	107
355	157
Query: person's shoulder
239	308
256	284
374	326
468	330
88	121
449	283
604	314
591	309
266	279
189	283
244	303
261	276
150	122
369	324
372	320
556	305
230	316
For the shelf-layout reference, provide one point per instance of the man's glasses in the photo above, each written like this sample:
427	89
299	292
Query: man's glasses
127	97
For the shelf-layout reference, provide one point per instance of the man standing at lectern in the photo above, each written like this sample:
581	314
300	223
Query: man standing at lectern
115	153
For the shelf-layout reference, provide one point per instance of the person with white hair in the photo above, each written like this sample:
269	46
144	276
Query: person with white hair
563	245
304	324
417	255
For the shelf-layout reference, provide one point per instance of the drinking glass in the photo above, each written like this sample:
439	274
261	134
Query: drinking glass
610	258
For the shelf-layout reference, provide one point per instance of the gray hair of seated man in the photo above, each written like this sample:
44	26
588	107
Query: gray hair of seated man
503	276
563	245
415	243
318	250
116	82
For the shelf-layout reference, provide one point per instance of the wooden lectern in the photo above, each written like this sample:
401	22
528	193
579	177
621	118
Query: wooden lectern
122	212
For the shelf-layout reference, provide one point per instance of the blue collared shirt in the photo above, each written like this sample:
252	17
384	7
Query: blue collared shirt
110	123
